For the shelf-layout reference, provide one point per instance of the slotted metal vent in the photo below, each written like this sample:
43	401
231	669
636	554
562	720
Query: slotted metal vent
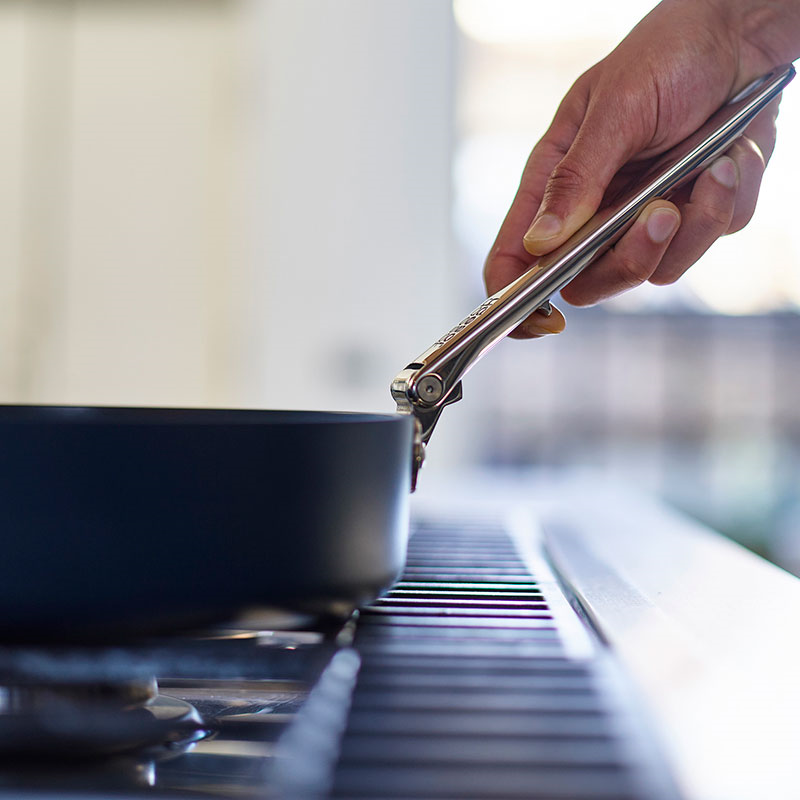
460	686
465	690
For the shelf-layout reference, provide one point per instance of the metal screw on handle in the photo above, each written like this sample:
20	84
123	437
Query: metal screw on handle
430	389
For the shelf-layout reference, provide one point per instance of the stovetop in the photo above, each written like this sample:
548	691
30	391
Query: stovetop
197	713
472	678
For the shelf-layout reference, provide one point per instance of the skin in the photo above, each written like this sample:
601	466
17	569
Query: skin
674	69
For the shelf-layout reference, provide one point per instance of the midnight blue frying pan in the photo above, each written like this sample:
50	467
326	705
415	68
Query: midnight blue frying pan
120	520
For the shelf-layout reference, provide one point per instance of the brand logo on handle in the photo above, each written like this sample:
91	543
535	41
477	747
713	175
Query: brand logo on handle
468	320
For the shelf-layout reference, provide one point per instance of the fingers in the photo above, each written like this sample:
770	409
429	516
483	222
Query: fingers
571	168
665	240
750	165
722	200
706	217
508	256
751	154
575	188
632	260
537	324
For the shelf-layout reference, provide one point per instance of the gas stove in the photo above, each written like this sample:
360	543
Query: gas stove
471	678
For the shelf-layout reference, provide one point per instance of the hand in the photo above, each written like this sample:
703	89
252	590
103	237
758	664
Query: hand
659	85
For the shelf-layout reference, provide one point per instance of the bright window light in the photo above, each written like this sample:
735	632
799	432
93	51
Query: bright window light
529	21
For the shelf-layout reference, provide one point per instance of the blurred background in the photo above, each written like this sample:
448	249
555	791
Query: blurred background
279	203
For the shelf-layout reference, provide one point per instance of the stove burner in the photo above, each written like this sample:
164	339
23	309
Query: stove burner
74	720
45	696
61	702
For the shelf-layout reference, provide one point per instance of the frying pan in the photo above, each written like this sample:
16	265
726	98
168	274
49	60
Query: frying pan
120	520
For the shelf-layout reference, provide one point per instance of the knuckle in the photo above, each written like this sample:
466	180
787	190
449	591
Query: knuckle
631	271
714	220
565	179
664	278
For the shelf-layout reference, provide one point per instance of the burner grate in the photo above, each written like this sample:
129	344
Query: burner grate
466	690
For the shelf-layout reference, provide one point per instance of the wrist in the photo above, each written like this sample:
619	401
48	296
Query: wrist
766	33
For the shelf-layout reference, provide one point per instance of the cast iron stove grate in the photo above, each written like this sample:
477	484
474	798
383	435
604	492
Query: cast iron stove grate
460	685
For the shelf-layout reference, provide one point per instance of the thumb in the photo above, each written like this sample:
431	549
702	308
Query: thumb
576	186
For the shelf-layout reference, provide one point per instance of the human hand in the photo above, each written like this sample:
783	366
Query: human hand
659	85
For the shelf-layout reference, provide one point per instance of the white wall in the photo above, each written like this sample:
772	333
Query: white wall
123	207
352	196
218	202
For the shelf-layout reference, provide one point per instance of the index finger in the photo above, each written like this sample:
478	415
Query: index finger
508	259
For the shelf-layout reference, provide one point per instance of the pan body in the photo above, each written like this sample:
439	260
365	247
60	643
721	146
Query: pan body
128	520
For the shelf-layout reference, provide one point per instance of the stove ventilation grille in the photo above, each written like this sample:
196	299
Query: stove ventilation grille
465	690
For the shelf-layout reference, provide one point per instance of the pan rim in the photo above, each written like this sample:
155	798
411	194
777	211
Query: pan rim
68	414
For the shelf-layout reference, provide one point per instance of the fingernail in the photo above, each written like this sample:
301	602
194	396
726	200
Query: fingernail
539	325
724	172
543	228
661	224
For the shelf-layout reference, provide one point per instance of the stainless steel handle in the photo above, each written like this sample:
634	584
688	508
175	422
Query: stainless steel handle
433	380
